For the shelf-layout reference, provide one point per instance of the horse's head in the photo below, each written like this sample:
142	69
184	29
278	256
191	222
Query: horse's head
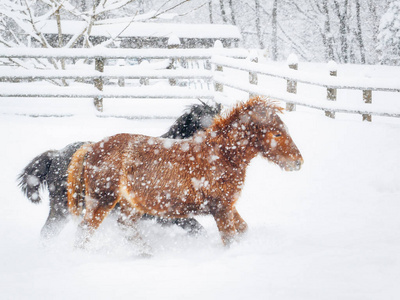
272	137
203	114
198	117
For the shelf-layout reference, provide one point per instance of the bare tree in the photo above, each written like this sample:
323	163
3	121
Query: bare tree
327	35
223	11
317	14
388	38
342	14
233	17
274	35
258	24
374	19
210	9
359	34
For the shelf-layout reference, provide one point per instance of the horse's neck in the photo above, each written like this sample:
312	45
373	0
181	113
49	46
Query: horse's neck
235	146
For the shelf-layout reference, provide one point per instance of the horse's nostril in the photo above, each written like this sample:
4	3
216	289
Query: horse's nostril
298	164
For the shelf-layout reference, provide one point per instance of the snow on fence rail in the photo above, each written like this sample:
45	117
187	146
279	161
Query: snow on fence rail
102	73
293	76
112	53
111	74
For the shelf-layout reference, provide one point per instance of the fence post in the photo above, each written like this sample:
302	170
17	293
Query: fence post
367	97
331	94
253	77
293	64
173	43
121	80
144	81
217	86
98	83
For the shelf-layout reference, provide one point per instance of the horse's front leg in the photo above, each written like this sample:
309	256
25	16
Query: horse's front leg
240	224
224	217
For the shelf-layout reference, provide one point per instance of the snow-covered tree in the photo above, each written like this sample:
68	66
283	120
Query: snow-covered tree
340	30
317	30
389	35
22	23
21	20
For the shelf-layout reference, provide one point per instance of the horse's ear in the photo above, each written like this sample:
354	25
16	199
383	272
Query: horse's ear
262	112
219	107
202	102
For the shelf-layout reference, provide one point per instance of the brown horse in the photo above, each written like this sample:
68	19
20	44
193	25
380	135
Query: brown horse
177	179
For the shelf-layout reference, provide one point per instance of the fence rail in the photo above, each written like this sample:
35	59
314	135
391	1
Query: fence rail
78	92
111	53
298	100
110	74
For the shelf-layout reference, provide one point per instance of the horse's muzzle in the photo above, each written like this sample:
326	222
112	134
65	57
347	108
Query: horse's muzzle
293	165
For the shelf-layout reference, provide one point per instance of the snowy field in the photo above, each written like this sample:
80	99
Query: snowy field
329	231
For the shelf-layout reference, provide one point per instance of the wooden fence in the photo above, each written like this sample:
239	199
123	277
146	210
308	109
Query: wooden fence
216	60
291	74
101	73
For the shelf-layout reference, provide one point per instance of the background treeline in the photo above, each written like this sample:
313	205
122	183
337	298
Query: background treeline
347	31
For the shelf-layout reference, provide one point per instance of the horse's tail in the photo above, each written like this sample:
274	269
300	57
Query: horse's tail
34	175
76	186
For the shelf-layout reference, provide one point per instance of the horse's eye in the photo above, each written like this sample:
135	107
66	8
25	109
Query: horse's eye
277	135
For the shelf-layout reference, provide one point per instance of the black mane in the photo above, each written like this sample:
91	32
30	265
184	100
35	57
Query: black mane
199	116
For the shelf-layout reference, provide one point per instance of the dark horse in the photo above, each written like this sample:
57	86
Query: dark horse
49	169
177	179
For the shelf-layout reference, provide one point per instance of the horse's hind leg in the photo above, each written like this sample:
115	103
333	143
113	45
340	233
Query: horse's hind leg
57	219
94	215
57	185
128	223
54	224
191	225
128	217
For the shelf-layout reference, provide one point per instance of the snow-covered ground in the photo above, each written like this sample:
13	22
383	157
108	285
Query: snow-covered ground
329	231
